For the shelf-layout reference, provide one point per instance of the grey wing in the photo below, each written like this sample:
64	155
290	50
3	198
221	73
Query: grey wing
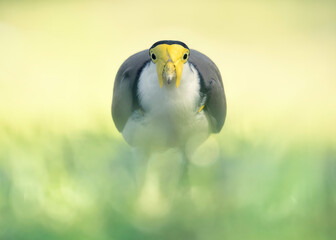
125	100
212	87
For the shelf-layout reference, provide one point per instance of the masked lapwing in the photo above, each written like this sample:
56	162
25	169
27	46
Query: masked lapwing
168	96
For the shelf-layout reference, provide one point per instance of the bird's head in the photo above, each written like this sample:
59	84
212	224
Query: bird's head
169	57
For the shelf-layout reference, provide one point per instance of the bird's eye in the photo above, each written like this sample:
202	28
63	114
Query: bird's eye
185	56
153	56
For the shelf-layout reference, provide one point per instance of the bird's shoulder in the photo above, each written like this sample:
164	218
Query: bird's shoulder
212	87
131	67
206	68
125	100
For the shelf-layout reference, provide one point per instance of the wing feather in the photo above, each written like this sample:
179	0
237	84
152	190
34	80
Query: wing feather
125	99
212	87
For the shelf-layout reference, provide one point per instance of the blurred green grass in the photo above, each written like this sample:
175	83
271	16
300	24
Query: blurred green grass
79	186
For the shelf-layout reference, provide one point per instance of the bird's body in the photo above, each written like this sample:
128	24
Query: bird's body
168	97
168	116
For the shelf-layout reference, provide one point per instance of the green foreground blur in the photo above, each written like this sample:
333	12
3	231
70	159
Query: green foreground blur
82	187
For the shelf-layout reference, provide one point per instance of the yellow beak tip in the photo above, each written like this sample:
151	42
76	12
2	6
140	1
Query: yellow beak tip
178	83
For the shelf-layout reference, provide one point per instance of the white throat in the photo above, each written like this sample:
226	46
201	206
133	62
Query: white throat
169	99
170	115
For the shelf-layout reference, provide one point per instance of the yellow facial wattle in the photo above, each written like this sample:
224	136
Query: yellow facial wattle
169	60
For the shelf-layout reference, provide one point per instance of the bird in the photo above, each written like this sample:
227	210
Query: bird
168	96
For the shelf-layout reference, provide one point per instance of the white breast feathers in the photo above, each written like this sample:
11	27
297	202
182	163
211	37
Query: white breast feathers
169	115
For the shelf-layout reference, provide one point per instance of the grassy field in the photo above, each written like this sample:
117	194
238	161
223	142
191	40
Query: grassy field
66	173
80	186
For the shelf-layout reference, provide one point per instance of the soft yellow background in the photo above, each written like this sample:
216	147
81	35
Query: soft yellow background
58	59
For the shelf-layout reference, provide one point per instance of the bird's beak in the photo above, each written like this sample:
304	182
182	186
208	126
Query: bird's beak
170	67
169	72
